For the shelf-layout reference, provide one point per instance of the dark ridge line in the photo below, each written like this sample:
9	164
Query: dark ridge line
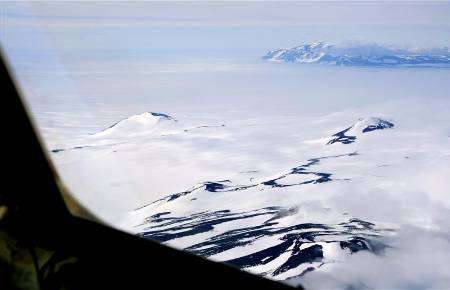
57	150
342	138
275	211
381	125
204	215
217	186
204	126
311	254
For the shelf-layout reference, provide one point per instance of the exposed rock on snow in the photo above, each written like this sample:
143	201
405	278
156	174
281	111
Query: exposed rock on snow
290	251
137	124
363	125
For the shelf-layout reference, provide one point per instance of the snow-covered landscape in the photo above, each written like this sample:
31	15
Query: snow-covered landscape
287	195
325	165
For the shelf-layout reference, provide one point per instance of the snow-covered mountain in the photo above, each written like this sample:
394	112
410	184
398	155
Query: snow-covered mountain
311	52
359	55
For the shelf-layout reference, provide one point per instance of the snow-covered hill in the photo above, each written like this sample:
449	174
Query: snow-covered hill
359	55
137	124
363	125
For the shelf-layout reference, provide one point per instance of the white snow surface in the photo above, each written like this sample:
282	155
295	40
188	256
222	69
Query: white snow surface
276	173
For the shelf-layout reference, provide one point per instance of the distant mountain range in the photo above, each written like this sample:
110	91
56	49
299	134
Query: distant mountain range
360	55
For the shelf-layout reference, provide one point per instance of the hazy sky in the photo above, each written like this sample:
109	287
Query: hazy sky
219	26
160	51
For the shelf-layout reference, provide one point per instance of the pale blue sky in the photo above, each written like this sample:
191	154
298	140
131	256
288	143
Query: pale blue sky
226	27
153	54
